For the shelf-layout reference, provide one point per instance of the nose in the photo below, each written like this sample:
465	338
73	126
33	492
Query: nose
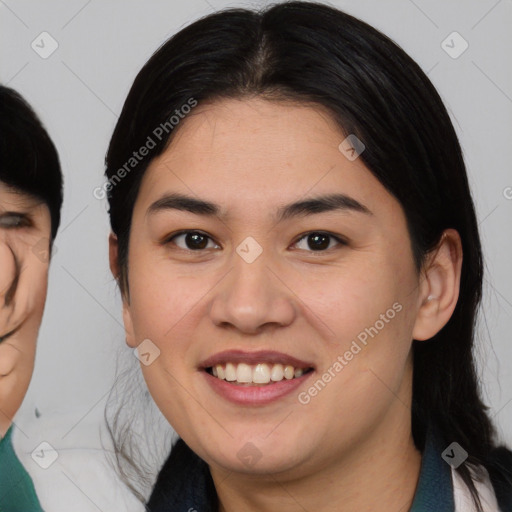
253	297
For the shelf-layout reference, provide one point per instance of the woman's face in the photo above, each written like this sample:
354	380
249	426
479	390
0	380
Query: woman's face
24	244
261	283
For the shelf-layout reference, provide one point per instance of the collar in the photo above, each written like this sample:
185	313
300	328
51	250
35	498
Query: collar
17	493
434	492
184	482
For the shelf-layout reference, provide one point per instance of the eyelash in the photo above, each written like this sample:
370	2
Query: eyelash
340	240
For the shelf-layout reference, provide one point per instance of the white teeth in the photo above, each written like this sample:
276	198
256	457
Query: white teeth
277	373
244	373
220	372
288	372
230	372
262	373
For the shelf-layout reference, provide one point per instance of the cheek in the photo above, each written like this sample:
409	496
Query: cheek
39	300
12	392
8	358
354	300
15	374
162	302
8	268
370	315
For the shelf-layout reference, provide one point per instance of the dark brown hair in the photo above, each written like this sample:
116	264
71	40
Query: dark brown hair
312	53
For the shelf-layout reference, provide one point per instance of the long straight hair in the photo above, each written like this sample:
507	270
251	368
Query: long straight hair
314	54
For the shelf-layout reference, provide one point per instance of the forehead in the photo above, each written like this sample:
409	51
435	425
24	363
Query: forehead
234	130
254	140
249	156
15	197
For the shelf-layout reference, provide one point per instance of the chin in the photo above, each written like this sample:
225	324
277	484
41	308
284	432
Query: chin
255	457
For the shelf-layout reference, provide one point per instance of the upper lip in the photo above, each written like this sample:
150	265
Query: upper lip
261	356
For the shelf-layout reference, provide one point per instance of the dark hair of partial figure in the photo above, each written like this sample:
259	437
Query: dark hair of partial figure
310	53
29	160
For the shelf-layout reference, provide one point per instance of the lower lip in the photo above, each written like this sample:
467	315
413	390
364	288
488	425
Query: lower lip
255	395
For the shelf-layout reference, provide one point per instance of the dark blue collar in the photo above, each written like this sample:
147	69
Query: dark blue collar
184	482
435	488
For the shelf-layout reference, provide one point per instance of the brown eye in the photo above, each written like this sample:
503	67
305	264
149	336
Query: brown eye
194	240
319	241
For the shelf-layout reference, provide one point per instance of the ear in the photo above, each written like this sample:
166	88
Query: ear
113	252
439	286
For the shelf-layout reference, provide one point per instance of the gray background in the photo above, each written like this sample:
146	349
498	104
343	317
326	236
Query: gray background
79	90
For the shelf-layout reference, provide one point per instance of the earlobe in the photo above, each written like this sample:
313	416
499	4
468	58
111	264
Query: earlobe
113	247
439	288
131	340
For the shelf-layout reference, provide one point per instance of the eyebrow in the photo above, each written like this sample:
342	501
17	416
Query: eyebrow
310	206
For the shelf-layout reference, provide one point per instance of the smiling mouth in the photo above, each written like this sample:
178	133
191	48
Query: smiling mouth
261	374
